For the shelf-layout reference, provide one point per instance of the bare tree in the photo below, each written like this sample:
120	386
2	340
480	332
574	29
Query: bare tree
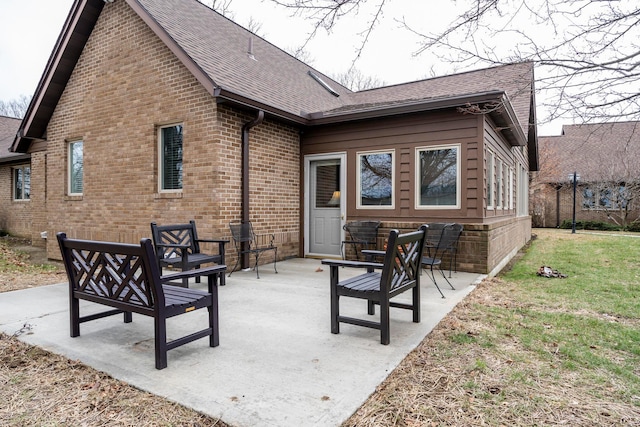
605	158
587	50
324	14
544	184
611	182
355	80
15	107
223	7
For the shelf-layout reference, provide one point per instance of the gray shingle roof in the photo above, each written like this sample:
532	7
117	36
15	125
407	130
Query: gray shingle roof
8	128
220	48
594	151
216	51
273	77
516	80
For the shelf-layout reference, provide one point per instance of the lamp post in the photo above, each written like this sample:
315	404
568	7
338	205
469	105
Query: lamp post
574	179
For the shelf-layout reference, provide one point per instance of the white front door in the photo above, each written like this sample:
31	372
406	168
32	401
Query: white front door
324	204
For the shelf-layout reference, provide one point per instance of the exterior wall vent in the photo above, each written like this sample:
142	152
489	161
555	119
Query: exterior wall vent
323	83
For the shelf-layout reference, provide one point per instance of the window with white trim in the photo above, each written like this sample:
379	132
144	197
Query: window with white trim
510	188
438	177
375	179
76	168
170	158
490	179
522	195
499	184
22	182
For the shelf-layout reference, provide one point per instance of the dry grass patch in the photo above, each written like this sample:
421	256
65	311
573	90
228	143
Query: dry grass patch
463	374
40	388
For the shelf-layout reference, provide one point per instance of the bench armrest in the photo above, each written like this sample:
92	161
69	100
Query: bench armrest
172	245
370	254
206	271
355	264
223	241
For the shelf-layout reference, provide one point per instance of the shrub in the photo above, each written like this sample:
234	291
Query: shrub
591	225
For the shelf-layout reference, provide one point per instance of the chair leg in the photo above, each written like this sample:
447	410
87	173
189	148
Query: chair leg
385	334
416	304
371	307
335	301
445	278
275	259
433	279
161	342
236	265
214	338
255	267
74	317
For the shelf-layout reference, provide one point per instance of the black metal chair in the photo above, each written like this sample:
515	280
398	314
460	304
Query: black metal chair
400	273
363	234
433	237
245	242
448	233
453	246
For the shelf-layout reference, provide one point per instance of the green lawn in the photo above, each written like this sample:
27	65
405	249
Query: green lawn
588	322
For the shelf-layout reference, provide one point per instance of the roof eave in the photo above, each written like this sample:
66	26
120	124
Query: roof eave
71	41
20	158
225	96
504	115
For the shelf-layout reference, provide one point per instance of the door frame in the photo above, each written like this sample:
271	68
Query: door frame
342	156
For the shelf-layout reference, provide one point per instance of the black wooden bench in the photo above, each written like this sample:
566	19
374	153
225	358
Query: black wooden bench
178	245
127	278
400	272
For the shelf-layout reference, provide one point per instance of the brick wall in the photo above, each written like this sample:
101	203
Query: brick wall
550	207
126	84
482	248
15	216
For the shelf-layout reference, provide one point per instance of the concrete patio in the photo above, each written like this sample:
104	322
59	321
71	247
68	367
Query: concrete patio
277	363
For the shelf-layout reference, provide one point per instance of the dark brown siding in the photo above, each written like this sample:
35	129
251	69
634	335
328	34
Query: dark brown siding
403	135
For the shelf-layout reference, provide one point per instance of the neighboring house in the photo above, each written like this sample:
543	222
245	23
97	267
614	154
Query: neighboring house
15	182
164	110
605	158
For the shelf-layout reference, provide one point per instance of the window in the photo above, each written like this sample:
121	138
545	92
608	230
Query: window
490	177
170	141
375	180
22	183
522	194
76	167
499	184
438	177
510	188
588	198
606	197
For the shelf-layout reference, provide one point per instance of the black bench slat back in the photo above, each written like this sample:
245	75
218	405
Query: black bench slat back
105	271
400	272
178	245
127	278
